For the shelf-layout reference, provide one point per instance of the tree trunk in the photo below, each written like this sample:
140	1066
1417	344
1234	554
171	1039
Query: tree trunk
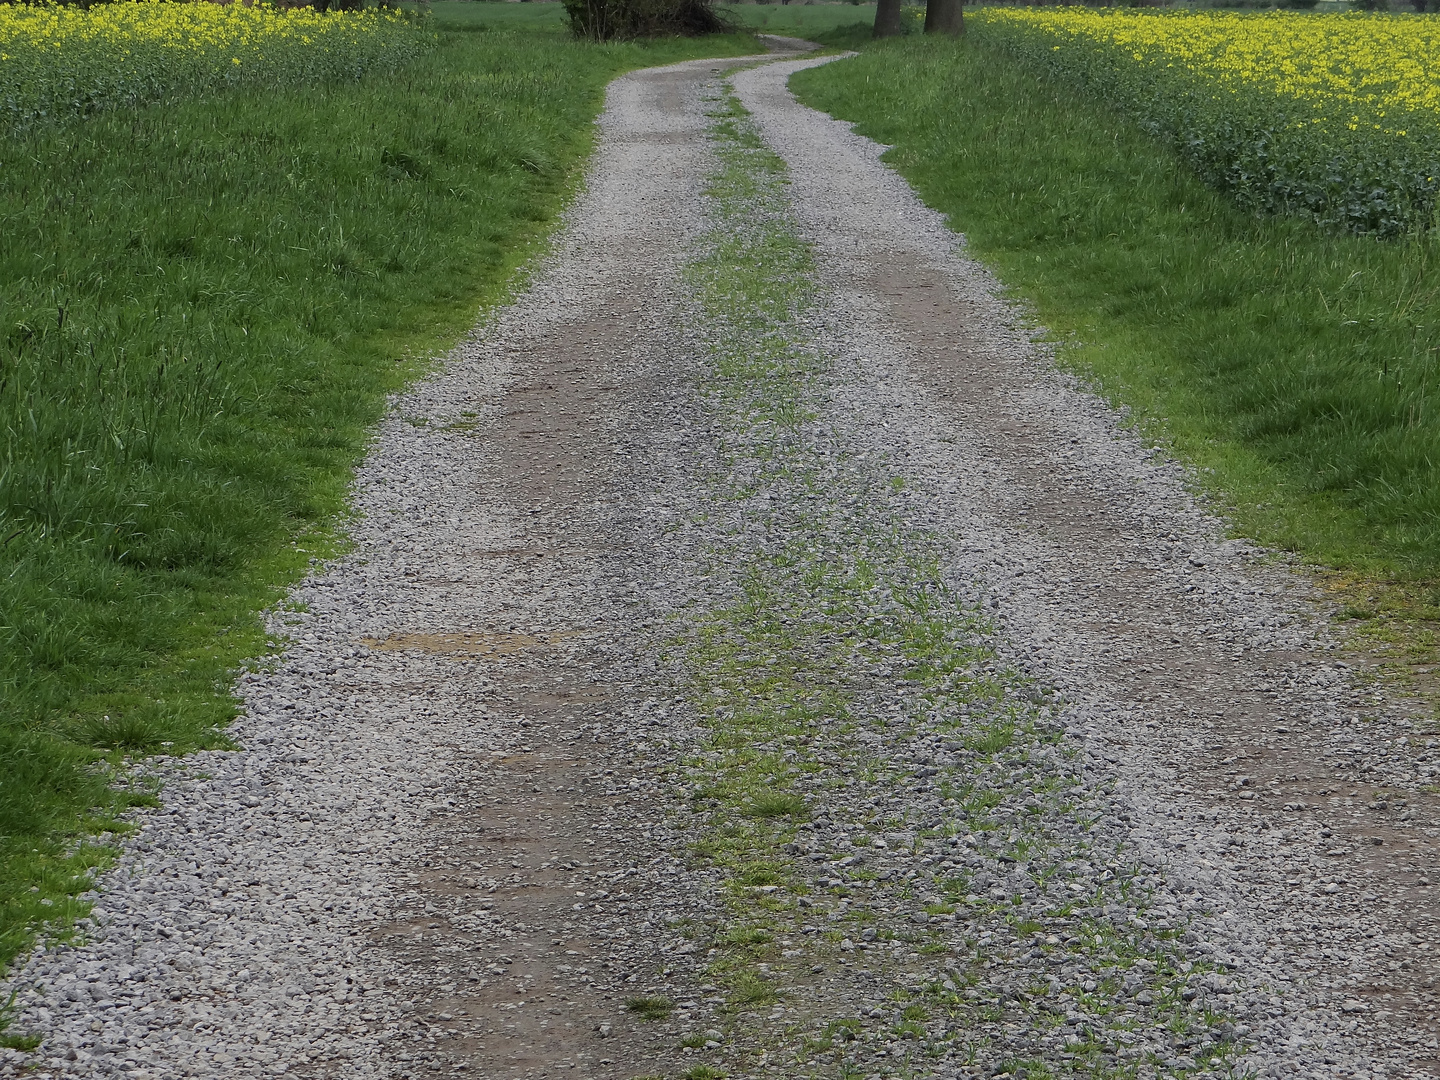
887	18
944	17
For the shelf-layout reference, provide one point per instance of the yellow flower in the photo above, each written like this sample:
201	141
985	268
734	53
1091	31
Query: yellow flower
1373	62
58	58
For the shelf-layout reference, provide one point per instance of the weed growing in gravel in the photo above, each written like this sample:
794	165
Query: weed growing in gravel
650	1008
14	1040
841	673
774	804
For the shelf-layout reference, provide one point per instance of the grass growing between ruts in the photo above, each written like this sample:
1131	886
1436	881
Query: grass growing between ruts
1293	367
836	659
202	308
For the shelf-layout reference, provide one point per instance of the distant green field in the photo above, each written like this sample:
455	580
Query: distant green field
485	15
825	23
790	20
816	22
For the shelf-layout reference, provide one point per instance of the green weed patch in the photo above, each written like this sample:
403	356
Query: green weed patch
650	1008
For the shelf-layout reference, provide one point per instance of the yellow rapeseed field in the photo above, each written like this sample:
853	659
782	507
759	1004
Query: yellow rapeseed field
230	32
56	60
1370	65
1333	116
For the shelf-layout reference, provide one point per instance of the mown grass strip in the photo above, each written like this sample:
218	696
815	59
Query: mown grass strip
202	308
1293	368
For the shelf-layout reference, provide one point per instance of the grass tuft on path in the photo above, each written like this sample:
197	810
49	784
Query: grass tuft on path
202	309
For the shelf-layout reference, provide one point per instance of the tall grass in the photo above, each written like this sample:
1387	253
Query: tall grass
202	307
1296	369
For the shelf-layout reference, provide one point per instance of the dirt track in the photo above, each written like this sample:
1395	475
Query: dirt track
1086	785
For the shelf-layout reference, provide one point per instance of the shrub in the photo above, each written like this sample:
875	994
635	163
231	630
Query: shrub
626	20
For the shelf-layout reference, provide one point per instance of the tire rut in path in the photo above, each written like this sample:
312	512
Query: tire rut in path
554	893
461	739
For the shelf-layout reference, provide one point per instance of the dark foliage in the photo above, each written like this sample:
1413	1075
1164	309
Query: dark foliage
627	20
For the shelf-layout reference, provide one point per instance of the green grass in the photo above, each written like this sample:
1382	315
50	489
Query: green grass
650	1008
202	308
1294	368
825	23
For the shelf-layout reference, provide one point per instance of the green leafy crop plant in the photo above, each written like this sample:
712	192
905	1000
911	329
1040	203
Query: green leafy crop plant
1244	98
65	63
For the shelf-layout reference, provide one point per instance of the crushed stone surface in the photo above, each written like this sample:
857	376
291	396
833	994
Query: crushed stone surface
1128	809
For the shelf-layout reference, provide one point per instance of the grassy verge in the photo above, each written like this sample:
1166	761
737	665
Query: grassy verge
203	308
1292	367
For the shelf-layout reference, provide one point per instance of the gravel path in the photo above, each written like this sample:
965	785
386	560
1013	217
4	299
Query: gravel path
757	659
